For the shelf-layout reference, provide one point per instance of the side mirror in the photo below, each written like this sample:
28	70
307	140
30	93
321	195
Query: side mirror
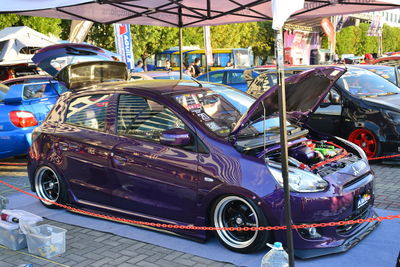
175	137
335	98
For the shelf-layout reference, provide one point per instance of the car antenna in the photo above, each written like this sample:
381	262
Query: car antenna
199	83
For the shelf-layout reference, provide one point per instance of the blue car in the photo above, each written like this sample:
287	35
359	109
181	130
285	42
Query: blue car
231	77
23	106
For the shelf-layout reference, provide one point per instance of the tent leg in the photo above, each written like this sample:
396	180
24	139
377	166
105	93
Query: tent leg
180	54
283	140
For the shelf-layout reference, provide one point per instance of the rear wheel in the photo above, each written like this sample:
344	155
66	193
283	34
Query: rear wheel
235	211
366	140
49	187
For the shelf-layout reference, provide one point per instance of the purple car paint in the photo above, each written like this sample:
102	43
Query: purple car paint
122	148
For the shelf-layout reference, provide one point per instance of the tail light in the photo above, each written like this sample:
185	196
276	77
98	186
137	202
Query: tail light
23	119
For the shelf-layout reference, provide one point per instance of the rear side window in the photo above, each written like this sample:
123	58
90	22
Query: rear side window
39	90
144	118
3	91
88	111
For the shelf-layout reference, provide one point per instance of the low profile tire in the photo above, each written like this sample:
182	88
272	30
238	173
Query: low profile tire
49	186
235	211
367	140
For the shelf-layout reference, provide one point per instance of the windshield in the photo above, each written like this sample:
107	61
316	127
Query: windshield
3	91
217	108
387	73
363	83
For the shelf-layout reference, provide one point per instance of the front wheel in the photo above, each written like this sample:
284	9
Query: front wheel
367	141
49	187
235	211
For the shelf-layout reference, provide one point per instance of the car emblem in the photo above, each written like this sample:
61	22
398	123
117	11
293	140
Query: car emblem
355	171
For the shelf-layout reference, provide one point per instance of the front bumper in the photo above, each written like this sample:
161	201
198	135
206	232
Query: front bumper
362	231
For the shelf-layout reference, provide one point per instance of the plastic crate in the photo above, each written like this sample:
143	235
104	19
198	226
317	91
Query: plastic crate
46	240
11	236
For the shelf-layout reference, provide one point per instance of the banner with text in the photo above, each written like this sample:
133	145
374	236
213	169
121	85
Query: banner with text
123	42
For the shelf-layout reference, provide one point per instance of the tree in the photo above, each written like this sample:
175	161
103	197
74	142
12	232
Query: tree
263	41
48	26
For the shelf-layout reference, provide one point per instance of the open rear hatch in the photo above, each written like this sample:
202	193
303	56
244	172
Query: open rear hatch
80	65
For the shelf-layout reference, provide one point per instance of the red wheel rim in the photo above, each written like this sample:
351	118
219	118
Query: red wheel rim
366	140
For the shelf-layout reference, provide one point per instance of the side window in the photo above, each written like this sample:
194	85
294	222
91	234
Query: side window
144	118
88	111
235	77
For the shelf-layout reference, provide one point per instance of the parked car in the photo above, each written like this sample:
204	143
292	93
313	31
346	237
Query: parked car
232	77
23	107
158	75
388	61
186	153
361	107
26	103
16	71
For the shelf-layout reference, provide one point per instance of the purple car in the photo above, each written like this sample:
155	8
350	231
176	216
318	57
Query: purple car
191	153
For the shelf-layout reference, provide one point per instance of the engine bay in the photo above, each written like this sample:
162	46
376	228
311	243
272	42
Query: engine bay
319	157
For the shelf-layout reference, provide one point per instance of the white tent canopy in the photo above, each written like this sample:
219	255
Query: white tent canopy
193	12
17	44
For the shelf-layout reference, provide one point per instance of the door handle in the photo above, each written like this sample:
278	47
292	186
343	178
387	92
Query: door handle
119	160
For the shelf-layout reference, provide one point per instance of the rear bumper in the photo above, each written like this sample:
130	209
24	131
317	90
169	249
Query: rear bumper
14	143
363	231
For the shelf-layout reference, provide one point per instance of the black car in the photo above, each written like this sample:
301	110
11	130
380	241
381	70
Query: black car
362	107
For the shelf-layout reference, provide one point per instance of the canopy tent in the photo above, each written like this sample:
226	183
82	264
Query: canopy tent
18	44
193	13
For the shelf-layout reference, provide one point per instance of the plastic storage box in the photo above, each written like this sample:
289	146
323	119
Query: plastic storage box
10	233
46	240
11	236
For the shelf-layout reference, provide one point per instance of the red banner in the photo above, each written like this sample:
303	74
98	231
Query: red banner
328	28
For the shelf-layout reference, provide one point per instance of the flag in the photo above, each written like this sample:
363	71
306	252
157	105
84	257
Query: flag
207	45
328	28
123	42
340	22
79	30
282	9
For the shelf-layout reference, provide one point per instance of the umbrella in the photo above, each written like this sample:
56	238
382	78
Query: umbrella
195	13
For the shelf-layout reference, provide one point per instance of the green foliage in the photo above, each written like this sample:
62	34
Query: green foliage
102	35
263	40
48	26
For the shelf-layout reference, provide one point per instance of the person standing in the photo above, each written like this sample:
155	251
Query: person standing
139	66
196	66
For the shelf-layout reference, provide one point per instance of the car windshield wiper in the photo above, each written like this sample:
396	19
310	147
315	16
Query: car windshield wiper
388	93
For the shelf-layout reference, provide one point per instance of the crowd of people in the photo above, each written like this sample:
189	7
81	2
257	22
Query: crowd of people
192	70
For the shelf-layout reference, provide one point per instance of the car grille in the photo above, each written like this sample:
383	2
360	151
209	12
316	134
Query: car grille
356	180
361	213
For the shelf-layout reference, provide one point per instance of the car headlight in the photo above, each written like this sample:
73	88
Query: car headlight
300	181
394	116
356	147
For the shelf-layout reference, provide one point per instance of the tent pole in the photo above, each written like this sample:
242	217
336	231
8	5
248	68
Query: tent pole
283	140
180	54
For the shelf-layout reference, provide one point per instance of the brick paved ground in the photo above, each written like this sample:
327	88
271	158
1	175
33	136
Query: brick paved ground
86	247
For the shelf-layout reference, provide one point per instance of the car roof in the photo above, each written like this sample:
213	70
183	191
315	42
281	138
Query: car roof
160	87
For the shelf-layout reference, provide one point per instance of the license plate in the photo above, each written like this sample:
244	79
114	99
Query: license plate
362	200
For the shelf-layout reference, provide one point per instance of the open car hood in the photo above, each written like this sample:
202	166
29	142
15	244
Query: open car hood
304	93
54	57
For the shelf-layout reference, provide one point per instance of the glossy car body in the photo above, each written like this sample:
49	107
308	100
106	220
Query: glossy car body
120	167
371	121
29	98
158	75
231	77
